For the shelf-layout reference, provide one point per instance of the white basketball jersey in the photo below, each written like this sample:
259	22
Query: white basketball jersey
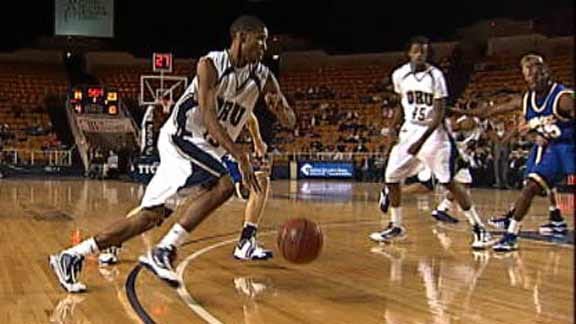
418	91
469	135
237	92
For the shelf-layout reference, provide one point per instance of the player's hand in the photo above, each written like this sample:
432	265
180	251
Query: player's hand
523	127
393	135
260	148
247	172
540	140
415	148
273	101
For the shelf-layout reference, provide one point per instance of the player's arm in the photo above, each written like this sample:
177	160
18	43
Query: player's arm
565	106
439	110
486	109
398	113
397	118
207	80
260	147
277	103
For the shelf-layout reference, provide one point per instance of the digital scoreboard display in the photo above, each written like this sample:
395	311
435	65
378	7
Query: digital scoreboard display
162	62
94	100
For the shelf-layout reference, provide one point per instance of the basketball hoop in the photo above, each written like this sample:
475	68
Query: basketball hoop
166	104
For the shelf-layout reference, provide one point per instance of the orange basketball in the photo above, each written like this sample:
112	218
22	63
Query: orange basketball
300	240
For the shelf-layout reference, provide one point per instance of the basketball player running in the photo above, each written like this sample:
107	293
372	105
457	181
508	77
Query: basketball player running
423	182
201	129
550	117
247	248
423	139
463	175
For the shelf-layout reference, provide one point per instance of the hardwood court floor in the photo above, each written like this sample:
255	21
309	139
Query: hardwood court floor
431	277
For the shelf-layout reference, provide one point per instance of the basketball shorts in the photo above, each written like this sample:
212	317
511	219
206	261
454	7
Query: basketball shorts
182	164
438	153
551	164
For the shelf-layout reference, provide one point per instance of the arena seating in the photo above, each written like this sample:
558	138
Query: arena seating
23	116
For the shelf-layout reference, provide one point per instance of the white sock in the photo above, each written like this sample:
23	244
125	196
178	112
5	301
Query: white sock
396	215
175	237
472	216
84	248
445	205
514	226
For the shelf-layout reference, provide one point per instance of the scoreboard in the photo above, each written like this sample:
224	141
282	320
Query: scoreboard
94	100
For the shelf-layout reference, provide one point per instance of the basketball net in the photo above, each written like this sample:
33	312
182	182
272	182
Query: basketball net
166	105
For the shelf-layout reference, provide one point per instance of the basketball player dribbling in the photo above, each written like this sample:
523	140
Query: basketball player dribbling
201	129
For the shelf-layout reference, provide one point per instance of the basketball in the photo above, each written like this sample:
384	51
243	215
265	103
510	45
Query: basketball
300	240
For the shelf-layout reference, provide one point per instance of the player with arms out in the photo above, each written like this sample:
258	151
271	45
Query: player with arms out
549	117
201	129
424	139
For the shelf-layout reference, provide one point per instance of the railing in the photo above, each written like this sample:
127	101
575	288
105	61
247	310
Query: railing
24	157
325	156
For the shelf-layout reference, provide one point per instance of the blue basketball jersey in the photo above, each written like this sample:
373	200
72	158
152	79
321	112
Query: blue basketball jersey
542	115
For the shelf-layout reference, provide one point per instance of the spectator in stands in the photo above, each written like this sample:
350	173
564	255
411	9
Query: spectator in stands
112	165
500	152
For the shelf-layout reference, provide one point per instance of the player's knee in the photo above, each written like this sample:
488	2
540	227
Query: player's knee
263	179
532	189
225	187
155	215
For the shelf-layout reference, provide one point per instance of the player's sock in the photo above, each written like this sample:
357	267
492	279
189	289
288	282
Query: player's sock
445	205
472	216
175	237
248	231
84	248
555	215
396	216
514	226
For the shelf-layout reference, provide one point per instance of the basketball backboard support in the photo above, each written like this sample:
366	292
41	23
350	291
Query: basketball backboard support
154	87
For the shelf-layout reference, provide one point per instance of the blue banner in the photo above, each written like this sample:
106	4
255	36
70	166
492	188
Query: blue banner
325	169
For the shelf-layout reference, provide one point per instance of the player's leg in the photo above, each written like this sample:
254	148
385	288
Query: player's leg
191	212
170	176
247	247
556	224
443	212
68	263
442	161
399	166
545	167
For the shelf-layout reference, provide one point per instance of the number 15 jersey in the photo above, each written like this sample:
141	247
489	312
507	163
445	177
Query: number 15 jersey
418	91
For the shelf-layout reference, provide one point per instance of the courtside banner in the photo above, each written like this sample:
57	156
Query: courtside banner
92	18
325	169
104	125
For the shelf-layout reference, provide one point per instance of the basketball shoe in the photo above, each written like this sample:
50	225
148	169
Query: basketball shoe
392	232
159	261
248	249
67	267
